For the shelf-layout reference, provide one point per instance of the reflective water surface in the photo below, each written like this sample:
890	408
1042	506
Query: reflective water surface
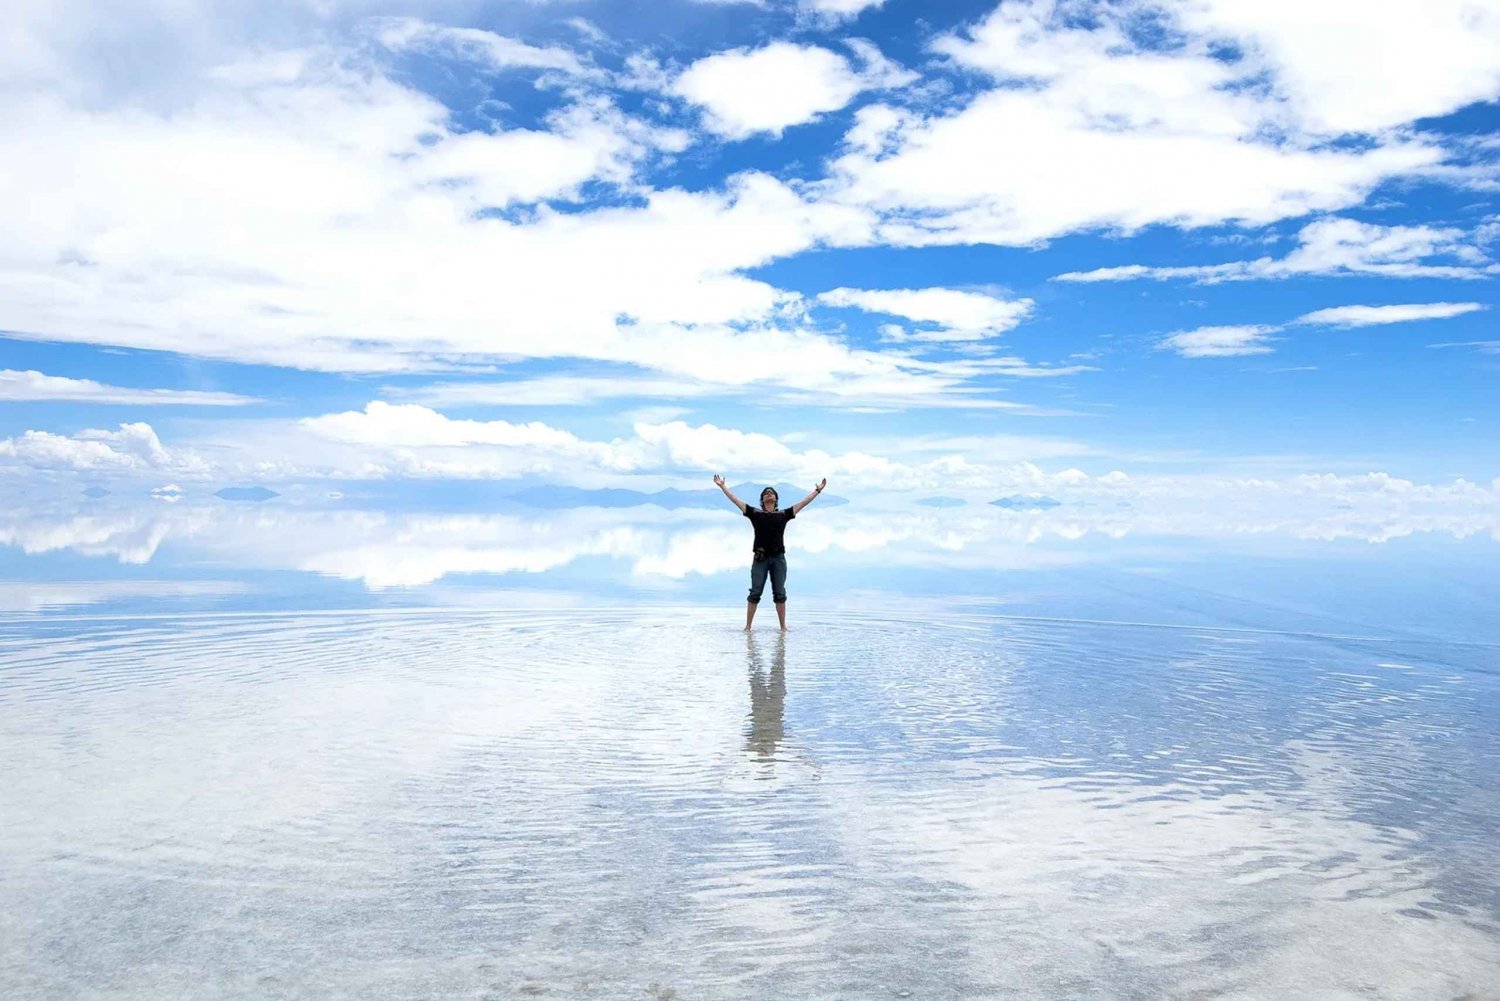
318	747
929	799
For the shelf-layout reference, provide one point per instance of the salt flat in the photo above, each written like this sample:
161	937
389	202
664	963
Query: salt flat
607	802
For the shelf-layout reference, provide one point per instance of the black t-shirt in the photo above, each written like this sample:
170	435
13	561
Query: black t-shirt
770	526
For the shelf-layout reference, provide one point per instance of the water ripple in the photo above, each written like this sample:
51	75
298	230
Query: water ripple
478	803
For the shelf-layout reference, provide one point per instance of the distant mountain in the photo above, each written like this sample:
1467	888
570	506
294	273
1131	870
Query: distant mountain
246	494
96	492
1027	502
787	494
944	501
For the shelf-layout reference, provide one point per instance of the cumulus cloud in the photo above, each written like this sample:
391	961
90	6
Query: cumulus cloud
769	89
1219	342
33	385
413	440
1367	316
1332	247
385	424
956	315
132	448
409	441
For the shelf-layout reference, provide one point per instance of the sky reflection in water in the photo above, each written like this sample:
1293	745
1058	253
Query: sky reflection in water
1056	753
1330	569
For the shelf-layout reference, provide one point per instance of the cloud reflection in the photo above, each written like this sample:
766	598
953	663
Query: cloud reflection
393	549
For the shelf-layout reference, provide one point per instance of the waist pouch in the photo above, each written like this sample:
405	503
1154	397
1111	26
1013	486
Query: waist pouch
761	554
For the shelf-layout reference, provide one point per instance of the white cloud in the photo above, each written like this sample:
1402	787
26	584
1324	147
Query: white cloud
33	385
1214	342
917	384
1218	342
133	448
1013	366
838	9
876	70
409	425
497	51
333	198
305	207
1366	316
408	441
356	241
587	141
745	91
551	390
1087	129
1353	66
1488	347
1331	247
415	441
957	315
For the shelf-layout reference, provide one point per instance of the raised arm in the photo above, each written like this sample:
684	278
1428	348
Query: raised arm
719	482
797	507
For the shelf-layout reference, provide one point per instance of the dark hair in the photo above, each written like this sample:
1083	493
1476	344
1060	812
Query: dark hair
772	492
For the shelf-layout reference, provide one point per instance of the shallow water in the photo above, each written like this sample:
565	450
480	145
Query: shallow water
629	802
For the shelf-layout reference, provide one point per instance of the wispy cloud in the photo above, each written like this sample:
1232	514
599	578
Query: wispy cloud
497	51
1367	316
1219	342
1254	339
1488	347
1330	247
35	386
552	390
838	10
953	314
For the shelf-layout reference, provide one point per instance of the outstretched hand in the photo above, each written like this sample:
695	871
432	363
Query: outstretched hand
821	484
718	480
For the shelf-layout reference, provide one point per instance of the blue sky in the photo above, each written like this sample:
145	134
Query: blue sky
928	248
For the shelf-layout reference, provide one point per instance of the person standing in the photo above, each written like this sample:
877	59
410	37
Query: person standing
770	547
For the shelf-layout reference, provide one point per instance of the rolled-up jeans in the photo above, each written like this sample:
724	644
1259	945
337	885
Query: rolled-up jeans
776	567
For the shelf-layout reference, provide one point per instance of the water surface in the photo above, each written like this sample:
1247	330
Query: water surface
944	799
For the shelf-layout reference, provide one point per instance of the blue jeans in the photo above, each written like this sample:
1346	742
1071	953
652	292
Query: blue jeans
776	567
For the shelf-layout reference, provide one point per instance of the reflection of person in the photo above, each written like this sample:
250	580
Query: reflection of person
767	699
770	549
